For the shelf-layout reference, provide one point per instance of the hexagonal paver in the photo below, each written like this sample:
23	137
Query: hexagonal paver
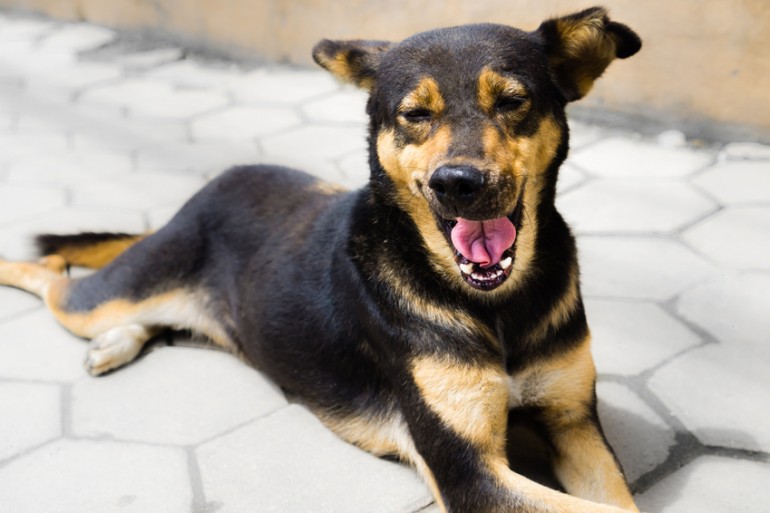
346	106
16	239
747	150
737	182
200	157
91	476
629	338
77	37
639	437
355	168
137	190
316	142
189	74
653	206
17	202
247	471
711	483
282	85
64	168
175	396
735	237
34	347
718	391
14	302
733	309
31	416
638	268
151	98
15	145
244	122
569	177
620	157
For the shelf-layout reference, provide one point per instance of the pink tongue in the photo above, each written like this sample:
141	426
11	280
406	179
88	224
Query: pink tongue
483	242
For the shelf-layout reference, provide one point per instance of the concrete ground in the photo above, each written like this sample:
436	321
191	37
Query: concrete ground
97	135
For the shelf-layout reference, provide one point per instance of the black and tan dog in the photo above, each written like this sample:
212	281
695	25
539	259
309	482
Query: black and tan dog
414	314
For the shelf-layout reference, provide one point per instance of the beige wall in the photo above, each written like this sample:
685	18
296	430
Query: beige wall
704	67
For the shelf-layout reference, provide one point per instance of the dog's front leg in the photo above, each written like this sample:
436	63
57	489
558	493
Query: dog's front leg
457	413
564	388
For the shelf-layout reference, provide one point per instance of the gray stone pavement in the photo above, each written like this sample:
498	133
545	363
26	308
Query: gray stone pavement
675	249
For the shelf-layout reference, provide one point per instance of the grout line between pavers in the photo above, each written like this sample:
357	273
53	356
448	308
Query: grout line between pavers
198	500
241	425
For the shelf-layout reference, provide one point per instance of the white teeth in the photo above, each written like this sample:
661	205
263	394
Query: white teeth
466	268
506	262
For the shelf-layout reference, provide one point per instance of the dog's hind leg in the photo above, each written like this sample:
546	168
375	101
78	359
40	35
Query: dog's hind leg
119	324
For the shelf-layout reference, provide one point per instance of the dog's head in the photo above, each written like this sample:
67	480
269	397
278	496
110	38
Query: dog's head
468	129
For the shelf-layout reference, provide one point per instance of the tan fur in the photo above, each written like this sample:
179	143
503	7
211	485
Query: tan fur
98	254
563	387
492	86
586	49
470	399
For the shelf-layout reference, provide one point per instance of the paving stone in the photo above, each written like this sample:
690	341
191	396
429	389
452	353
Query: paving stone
14	302
91	477
619	157
746	150
735	237
159	217
244	123
630	337
175	395
208	157
283	85
148	59
726	382
733	309
355	169
345	106
16	239
638	268
33	346
78	37
654	206
640	438
17	145
67	167
17	202
247	470
137	191
64	78
569	178
320	147
154	99
191	74
737	181
711	483
25	30
581	135
31	416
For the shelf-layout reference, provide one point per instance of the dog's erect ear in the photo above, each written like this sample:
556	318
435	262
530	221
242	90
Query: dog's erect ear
581	46
354	61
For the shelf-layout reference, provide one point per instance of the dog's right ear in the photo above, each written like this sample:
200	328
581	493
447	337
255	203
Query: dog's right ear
354	61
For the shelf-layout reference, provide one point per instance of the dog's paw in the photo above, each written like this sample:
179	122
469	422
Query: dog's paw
115	348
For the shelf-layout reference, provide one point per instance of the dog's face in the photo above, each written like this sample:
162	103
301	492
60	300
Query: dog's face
468	128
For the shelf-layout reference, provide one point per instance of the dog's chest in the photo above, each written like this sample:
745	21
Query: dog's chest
523	389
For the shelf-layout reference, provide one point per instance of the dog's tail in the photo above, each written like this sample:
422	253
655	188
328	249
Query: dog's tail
88	249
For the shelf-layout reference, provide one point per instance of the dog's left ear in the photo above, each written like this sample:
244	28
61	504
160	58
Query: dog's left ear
355	61
581	46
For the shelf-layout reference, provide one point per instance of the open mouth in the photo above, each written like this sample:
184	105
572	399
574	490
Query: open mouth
484	250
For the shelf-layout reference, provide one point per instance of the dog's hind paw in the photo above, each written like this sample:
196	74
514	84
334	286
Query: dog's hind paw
115	348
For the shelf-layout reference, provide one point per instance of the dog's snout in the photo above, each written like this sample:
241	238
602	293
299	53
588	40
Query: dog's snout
456	186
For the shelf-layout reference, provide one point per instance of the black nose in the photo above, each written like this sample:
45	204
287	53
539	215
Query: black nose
456	186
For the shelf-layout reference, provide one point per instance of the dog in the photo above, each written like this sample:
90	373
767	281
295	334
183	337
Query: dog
415	315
